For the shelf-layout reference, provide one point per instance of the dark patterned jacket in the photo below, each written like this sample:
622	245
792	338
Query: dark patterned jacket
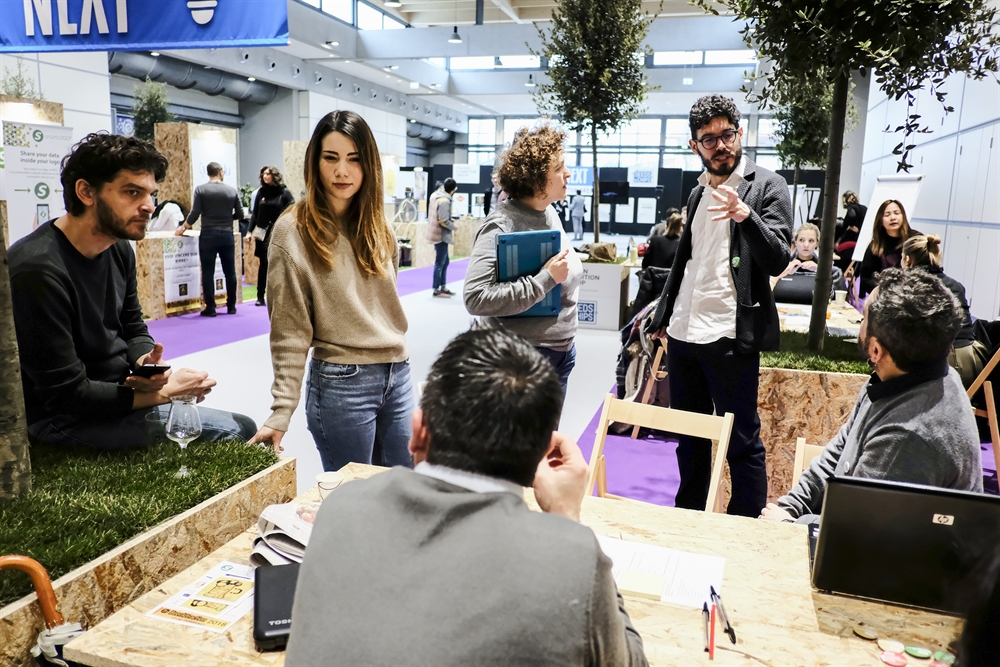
758	249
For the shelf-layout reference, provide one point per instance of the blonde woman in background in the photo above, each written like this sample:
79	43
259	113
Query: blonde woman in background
967	356
333	262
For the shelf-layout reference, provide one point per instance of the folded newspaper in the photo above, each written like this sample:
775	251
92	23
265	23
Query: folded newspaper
284	532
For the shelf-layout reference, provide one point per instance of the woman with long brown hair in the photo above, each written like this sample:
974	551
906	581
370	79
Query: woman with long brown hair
892	229
269	203
333	263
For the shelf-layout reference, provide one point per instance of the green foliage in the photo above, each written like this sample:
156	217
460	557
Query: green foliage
149	107
802	122
908	44
246	191
84	503
596	67
839	355
19	84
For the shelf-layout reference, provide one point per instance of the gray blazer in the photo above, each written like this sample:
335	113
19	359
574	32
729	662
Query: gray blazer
403	569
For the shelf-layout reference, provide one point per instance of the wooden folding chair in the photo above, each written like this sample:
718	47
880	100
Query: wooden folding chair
990	413
655	375
804	455
716	429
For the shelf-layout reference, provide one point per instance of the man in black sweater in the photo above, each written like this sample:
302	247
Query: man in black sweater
76	309
217	204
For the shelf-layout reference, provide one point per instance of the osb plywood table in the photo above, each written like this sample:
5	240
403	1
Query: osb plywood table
778	617
843	320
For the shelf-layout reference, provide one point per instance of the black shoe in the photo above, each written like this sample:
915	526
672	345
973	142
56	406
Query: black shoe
260	302
442	294
445	290
207	313
230	310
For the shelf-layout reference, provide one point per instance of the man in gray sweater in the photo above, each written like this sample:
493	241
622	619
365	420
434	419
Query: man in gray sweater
912	422
446	564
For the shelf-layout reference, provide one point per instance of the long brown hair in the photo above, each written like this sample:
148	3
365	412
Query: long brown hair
364	223
675	226
881	241
276	178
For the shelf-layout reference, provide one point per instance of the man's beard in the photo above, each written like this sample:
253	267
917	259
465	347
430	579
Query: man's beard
111	225
725	170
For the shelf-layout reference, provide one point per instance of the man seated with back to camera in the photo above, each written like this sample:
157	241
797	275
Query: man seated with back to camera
445	564
76	309
912	421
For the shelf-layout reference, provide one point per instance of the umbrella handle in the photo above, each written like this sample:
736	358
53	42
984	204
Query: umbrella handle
42	583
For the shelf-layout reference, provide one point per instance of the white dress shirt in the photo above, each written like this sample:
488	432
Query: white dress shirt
468	480
705	309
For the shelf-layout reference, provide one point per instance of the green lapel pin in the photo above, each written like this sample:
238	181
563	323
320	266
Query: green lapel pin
736	262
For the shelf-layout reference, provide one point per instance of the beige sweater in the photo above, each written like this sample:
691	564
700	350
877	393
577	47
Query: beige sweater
344	315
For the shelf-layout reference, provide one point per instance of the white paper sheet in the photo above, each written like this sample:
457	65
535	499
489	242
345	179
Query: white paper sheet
688	576
219	598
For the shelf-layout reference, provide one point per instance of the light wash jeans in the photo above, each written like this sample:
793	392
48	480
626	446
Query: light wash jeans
134	430
360	413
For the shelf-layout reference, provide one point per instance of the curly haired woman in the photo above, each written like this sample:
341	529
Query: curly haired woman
533	173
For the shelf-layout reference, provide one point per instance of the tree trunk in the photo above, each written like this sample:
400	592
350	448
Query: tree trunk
821	293
15	466
795	194
596	196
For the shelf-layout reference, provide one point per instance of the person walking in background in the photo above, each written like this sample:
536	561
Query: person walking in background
577	209
891	231
717	308
217	204
333	262
269	203
439	234
533	173
967	356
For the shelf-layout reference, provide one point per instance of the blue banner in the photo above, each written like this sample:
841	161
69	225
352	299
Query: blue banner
140	25
578	176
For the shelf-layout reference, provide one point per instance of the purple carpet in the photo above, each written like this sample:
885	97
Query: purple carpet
187	334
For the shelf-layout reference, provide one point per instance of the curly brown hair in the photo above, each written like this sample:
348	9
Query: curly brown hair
524	166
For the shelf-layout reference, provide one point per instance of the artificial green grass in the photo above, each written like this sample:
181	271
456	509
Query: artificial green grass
838	356
84	503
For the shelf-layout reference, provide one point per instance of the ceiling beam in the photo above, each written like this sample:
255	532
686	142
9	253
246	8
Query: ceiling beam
508	10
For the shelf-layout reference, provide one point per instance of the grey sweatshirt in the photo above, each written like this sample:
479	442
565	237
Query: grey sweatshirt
917	428
494	302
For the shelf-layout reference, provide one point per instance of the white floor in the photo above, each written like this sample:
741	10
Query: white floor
243	371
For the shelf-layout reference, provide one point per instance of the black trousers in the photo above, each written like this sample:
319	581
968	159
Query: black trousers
211	243
714	375
262	276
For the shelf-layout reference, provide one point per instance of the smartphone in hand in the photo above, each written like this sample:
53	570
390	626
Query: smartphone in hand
150	370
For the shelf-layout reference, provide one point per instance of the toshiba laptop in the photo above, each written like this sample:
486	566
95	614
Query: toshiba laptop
274	593
904	543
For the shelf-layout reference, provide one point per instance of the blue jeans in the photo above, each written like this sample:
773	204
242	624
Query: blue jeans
563	362
441	261
360	413
134	430
711	376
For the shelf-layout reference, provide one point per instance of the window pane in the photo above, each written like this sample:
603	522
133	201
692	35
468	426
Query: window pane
765	132
607	159
521	62
661	58
440	62
768	162
472	62
570	157
391	23
369	18
342	9
678	132
482	131
482	157
512	125
648	131
736	57
314	3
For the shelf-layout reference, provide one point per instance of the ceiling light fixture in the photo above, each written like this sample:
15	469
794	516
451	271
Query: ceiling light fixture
155	54
251	79
530	83
455	37
393	3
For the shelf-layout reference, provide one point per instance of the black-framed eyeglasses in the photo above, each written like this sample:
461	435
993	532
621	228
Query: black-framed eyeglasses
709	142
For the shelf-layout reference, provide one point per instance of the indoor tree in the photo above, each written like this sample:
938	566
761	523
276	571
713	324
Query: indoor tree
597	70
149	107
15	464
908	45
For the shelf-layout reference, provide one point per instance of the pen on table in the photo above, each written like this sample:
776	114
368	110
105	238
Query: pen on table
705	616
724	617
711	638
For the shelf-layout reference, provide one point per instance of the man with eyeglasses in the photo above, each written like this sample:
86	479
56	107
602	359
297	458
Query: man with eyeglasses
717	310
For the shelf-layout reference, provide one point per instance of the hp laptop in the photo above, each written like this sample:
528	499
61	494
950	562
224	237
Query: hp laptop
904	543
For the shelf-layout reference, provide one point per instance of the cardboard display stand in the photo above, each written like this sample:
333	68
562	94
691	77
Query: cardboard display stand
603	300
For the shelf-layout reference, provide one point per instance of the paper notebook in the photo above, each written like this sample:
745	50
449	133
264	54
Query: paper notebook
521	254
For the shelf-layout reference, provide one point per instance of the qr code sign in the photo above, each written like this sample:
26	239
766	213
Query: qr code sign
587	312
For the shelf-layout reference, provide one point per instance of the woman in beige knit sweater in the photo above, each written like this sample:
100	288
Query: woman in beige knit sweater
332	288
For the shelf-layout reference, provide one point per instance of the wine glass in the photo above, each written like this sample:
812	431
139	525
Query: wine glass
183	425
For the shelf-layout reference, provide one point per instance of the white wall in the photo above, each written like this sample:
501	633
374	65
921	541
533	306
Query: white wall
960	196
389	129
78	81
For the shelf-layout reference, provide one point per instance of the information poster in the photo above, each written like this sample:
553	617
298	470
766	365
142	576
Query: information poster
219	598
465	173
29	174
460	203
647	211
182	270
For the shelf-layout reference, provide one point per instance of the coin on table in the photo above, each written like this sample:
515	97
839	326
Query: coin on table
890	645
945	657
893	659
865	632
919	652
